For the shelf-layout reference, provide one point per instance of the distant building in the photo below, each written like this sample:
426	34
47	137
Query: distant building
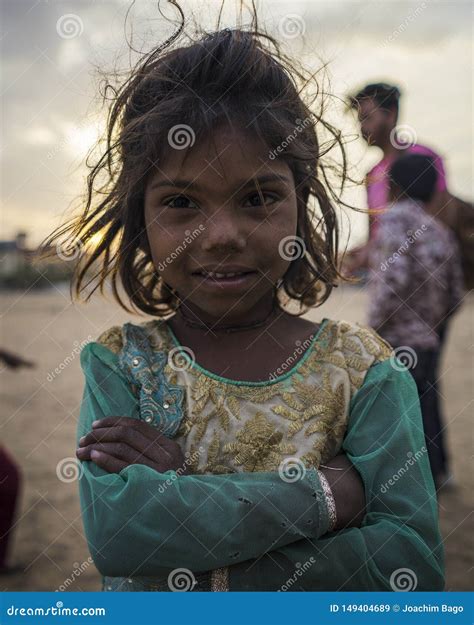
23	267
14	255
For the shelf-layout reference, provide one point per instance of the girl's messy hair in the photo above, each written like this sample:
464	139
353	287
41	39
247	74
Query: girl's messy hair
239	76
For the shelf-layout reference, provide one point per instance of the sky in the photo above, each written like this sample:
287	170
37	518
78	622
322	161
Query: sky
51	112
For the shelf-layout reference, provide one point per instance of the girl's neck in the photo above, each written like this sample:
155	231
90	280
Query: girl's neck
246	355
191	318
194	322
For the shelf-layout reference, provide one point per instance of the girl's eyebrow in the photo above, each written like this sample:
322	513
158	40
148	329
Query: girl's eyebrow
192	184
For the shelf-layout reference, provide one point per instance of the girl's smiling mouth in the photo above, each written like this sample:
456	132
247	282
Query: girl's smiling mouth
232	277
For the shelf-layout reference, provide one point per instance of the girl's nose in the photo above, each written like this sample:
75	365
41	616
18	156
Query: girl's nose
224	231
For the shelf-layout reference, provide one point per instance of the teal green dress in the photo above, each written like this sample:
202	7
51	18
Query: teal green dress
239	522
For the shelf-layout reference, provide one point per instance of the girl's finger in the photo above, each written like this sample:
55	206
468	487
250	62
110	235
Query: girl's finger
115	434
107	462
111	421
153	450
120	451
146	429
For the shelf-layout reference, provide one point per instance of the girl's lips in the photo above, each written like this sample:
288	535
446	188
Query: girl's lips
236	282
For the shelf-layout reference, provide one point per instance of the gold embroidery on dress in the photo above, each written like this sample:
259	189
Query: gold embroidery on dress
213	454
112	339
259	445
224	404
312	403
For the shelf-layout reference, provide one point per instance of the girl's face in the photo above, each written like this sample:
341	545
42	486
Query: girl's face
203	213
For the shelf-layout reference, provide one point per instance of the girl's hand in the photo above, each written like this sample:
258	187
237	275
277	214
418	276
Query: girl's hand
117	442
347	489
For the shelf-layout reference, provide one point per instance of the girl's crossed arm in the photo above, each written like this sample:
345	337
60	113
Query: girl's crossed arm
399	546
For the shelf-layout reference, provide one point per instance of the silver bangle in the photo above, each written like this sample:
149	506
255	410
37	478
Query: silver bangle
330	502
220	580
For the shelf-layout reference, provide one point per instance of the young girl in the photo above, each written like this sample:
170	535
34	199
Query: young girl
228	444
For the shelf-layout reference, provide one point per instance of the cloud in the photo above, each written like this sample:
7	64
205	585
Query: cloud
48	86
422	24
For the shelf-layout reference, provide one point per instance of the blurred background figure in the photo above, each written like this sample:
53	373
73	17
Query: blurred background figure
10	481
377	106
415	286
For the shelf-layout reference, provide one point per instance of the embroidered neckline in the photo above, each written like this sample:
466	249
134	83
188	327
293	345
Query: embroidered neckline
215	376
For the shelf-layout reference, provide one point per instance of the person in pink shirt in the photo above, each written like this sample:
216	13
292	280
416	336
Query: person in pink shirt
377	180
377	106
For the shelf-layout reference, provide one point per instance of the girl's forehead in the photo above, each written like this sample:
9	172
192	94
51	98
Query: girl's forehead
227	154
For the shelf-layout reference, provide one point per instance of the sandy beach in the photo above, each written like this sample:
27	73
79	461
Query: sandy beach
39	414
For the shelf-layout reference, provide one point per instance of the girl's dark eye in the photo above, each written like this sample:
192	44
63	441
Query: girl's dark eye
180	201
256	199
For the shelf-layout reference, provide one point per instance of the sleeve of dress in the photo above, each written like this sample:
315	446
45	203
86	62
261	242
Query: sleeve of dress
142	522
398	545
